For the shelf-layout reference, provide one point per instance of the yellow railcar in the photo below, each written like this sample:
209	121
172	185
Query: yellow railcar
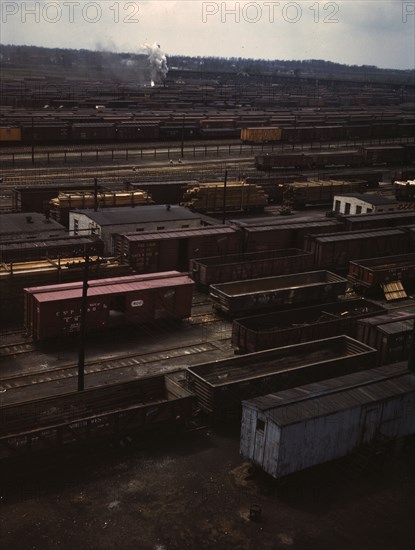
265	134
10	133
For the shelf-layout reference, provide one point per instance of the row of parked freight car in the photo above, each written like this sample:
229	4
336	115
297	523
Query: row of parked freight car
217	254
332	242
153	130
397	155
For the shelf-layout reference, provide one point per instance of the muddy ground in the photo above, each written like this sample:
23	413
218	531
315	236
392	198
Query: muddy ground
193	491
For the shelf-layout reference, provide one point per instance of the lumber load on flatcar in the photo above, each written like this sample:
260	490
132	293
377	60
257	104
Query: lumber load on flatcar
211	197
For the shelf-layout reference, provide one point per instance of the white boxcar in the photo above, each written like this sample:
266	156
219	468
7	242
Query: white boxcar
291	430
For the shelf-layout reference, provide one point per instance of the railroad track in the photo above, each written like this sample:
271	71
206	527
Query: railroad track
7	350
130	361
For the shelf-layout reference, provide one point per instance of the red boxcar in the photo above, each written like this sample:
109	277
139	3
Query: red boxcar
53	311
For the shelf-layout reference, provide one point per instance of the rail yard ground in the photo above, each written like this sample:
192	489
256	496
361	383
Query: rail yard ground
193	492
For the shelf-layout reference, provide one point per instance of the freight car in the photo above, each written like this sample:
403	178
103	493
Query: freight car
374	273
391	335
57	247
272	330
163	192
335	251
87	199
368	156
404	190
214	197
55	311
301	194
358	222
394	341
221	386
273	185
374	156
113	410
35	198
309	160
290	235
10	134
164	250
222	269
16	276
256	295
370	177
292	430
261	135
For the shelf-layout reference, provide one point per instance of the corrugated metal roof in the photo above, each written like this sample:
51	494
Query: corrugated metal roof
179	233
351	235
138	214
121	286
42	243
27	222
288	226
318	406
398	327
331	385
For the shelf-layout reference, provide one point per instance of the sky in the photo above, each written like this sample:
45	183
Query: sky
354	32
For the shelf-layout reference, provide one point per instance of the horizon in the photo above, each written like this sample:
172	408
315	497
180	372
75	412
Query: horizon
362	32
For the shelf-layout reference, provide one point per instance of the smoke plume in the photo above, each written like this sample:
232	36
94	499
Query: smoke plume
158	62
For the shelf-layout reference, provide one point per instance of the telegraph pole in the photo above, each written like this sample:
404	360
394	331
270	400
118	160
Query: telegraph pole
224	197
84	304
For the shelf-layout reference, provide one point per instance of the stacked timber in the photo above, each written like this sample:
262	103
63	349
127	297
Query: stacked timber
86	199
209	197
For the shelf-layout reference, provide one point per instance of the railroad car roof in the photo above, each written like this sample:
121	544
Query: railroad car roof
27	222
307	401
351	235
179	233
102	287
325	405
138	214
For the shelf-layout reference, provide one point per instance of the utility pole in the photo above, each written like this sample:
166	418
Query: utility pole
33	144
182	144
84	304
224	197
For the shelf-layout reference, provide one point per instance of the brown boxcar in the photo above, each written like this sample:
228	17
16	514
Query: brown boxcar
221	269
164	192
285	235
374	272
335	251
284	328
366	328
255	295
220	386
164	250
53	311
359	222
36	198
391	335
393	154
